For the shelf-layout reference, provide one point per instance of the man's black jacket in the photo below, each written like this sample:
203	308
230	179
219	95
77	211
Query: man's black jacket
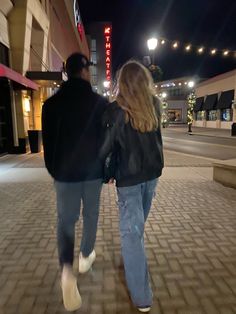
72	132
138	156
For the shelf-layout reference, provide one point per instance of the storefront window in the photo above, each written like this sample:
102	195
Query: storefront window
199	115
212	115
175	115
226	115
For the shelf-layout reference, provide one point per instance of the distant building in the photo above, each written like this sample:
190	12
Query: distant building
100	42
216	102
175	92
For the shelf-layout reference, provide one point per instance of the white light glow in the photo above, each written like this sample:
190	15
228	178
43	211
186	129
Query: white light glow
175	45
106	84
152	43
200	50
191	84
188	47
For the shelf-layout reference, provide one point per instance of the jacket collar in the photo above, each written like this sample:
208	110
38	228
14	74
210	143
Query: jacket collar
76	83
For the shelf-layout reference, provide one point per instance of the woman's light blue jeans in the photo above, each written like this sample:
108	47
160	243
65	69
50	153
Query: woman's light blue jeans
69	197
134	205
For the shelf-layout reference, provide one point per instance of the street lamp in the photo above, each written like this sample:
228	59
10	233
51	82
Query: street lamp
191	84
152	44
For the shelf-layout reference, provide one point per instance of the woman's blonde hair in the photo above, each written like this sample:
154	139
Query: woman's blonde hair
136	96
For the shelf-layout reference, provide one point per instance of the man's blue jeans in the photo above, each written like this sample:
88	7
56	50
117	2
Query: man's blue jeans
69	197
134	204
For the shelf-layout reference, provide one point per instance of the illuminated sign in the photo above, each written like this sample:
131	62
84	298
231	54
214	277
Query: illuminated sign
107	37
78	20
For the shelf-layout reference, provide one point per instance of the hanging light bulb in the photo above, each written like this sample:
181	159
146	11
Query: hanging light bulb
175	45
213	51
226	53
200	50
188	48
163	42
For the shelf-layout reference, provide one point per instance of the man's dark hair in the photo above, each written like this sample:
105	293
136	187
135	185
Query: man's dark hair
76	63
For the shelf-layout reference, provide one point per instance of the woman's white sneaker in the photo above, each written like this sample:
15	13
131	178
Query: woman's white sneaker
144	309
70	293
85	263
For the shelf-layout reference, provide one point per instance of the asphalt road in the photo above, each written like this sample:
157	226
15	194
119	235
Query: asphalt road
198	145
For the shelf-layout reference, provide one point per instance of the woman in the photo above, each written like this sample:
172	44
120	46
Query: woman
133	137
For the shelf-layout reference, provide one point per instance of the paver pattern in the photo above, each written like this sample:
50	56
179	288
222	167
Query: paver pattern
190	241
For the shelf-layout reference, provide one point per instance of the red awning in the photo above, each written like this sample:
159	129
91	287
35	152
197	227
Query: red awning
17	77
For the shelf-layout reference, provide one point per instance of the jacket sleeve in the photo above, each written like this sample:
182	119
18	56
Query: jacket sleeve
108	141
48	138
109	123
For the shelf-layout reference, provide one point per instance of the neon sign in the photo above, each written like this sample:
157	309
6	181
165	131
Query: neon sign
107	37
78	20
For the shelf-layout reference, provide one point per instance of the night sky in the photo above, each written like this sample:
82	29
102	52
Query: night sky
211	23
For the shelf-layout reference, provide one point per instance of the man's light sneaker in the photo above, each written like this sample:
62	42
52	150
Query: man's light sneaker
144	309
85	263
70	293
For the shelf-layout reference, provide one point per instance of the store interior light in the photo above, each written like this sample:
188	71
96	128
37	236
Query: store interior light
26	102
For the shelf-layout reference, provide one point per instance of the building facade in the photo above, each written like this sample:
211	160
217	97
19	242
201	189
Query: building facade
36	37
100	39
216	102
175	93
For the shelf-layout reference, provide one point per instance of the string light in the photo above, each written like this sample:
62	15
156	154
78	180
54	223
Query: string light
175	45
198	49
188	48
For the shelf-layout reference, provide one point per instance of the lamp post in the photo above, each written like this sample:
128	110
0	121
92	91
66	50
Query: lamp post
152	44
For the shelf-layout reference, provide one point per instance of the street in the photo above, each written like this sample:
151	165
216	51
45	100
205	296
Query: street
207	146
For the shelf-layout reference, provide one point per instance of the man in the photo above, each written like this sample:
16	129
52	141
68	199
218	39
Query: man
72	131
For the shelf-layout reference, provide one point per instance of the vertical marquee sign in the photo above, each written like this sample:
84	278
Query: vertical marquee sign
78	20
108	47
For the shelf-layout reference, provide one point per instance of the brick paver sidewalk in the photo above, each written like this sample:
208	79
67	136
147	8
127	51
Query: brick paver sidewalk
190	244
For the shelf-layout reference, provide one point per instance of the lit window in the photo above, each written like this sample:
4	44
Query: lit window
199	115
212	115
226	115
